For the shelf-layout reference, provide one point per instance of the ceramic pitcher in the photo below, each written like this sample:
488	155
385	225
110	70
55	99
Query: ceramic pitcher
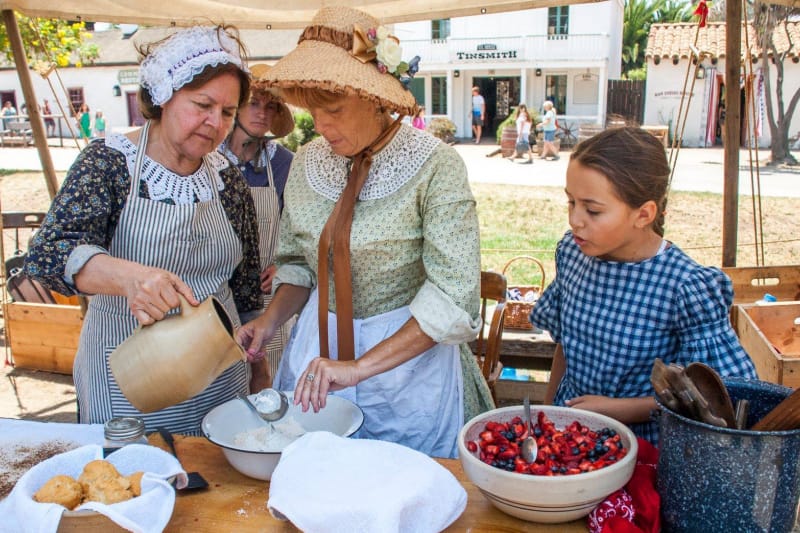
174	359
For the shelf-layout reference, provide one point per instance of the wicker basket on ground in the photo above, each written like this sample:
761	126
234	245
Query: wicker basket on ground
517	311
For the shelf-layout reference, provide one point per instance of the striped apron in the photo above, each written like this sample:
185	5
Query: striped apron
194	241
268	216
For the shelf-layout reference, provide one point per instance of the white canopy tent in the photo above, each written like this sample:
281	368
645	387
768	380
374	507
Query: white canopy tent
297	14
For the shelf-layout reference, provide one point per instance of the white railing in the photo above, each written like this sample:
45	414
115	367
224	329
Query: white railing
510	49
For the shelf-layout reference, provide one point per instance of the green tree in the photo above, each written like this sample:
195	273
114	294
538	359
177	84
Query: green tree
769	20
637	18
639	15
51	42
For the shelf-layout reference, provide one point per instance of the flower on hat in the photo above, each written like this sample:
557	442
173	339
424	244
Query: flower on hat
387	53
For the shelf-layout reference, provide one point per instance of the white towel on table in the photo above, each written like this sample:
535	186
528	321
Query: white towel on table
149	512
332	484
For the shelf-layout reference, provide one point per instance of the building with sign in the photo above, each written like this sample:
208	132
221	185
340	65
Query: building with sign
669	57
565	54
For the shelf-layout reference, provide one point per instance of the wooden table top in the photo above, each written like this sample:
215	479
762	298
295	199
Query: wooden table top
234	502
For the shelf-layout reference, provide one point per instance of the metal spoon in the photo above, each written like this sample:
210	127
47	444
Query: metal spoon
270	416
529	449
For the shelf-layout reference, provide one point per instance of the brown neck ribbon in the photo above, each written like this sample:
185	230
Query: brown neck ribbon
334	242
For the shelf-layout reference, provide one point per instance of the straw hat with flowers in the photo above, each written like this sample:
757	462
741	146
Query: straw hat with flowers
283	121
346	51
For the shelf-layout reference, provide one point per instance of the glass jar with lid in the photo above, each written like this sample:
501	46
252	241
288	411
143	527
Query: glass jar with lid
124	430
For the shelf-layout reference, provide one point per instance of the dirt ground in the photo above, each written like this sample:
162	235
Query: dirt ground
36	395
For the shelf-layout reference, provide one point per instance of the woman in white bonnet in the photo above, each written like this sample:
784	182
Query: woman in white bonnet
149	215
378	248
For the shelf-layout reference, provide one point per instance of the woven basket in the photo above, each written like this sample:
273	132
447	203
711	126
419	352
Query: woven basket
517	312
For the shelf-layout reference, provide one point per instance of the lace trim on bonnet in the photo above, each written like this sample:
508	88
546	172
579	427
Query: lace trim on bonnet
392	167
164	184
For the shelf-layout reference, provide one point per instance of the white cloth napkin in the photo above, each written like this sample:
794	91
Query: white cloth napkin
332	484
150	512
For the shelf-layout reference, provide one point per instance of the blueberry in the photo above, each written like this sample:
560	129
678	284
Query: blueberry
575	450
537	431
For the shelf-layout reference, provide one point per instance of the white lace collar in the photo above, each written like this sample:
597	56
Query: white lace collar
392	167
163	184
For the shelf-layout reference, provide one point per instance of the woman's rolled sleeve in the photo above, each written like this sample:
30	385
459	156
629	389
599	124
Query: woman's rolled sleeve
294	274
441	318
78	259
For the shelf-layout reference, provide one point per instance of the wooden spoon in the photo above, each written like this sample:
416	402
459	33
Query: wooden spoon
785	416
713	390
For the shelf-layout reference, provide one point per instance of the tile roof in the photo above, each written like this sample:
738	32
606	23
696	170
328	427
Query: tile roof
668	40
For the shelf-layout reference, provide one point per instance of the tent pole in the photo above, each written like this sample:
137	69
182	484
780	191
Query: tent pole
733	121
37	125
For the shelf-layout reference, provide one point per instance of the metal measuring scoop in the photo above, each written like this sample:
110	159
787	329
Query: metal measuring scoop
529	449
269	416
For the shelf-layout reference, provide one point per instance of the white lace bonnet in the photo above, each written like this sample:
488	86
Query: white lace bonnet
184	55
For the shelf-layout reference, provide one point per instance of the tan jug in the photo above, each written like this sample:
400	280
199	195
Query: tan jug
176	358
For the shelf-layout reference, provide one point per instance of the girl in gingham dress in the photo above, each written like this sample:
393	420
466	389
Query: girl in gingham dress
623	295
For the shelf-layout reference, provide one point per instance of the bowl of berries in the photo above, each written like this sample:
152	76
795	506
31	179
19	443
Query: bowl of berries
582	458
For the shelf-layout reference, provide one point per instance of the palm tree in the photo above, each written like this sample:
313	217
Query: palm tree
638	16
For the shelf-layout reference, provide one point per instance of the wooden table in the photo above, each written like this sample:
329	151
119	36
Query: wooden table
234	502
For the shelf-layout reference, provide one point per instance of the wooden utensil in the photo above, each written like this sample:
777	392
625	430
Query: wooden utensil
658	379
713	390
688	394
785	416
741	413
196	481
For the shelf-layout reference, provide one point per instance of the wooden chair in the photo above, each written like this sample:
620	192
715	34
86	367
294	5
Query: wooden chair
493	289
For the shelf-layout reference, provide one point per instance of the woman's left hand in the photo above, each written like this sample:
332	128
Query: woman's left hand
267	275
322	376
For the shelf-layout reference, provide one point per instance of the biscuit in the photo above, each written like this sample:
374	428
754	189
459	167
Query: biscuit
135	480
62	490
95	471
108	490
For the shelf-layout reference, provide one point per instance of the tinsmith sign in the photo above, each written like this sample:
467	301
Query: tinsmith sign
484	52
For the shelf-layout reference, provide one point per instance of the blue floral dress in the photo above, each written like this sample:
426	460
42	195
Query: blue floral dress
613	319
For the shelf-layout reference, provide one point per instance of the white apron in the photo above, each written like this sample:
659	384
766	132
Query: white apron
194	241
418	404
268	215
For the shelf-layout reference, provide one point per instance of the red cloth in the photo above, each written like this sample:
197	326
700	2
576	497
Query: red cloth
635	508
702	12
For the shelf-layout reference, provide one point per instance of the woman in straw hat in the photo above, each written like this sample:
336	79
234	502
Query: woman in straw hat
378	246
153	214
265	165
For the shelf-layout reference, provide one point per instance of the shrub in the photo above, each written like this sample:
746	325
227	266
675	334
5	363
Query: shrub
303	131
443	128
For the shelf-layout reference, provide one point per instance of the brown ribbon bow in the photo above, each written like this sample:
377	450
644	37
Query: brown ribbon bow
336	235
363	47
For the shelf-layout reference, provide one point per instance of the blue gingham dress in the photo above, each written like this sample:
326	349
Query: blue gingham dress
613	319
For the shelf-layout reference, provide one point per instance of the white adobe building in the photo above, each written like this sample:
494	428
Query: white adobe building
565	53
667	57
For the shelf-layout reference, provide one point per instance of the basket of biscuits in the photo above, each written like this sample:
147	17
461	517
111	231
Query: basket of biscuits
79	490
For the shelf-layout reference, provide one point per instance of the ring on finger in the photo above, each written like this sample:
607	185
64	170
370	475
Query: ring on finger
310	377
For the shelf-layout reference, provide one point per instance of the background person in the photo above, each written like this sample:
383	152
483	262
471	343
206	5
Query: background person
9	113
548	127
478	113
157	212
84	119
99	124
623	295
522	147
399	294
265	166
419	119
49	121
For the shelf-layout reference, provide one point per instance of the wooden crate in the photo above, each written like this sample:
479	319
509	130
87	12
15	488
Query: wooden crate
43	336
751	283
766	333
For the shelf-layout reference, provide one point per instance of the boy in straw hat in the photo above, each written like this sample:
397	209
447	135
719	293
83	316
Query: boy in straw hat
378	247
265	166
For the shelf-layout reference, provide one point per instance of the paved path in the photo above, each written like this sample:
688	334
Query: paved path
698	169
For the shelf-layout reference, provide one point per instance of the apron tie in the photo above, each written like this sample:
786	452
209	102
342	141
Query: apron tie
336	235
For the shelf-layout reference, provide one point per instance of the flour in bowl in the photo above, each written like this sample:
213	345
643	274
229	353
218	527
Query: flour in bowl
267	439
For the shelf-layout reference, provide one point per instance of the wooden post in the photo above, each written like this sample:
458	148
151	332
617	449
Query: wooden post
733	121
37	125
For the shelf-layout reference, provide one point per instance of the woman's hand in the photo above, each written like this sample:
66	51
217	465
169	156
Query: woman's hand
267	275
254	337
626	410
153	292
322	376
